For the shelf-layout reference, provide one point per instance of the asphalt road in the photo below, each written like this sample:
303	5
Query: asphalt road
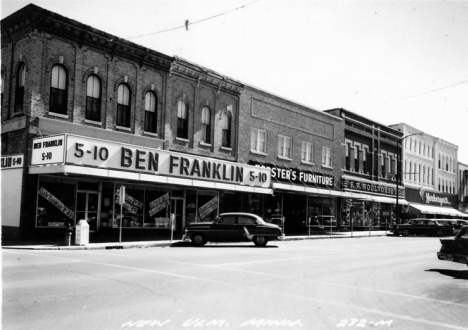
381	282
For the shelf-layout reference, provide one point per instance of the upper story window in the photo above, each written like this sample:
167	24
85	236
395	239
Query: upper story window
93	99
365	163
59	90
307	152
206	125
3	86
151	112
182	120
123	106
327	157
258	140
284	146
356	159
348	156
19	91
226	130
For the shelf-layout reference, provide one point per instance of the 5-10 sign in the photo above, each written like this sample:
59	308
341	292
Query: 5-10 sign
49	150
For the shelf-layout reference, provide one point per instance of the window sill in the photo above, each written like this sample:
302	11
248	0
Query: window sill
182	140
285	158
122	128
92	122
226	149
306	163
150	134
58	115
258	152
204	144
327	166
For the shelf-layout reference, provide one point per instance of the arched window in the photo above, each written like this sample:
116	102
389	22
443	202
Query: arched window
226	130
58	90
123	106
19	91
93	99
182	120
206	125
151	112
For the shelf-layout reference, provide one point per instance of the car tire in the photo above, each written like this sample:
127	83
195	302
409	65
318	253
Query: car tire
198	240
405	232
260	240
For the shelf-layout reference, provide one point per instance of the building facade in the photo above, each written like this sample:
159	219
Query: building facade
371	152
463	188
86	115
429	173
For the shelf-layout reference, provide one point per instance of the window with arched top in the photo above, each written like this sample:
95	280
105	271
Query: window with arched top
182	119
59	90
123	106
206	125
93	98
19	90
151	112
226	130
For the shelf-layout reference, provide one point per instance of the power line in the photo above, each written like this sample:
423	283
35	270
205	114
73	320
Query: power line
187	23
428	92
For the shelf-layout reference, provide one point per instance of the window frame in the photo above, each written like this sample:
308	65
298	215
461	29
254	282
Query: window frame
19	88
327	157
226	130
59	96
182	123
123	114
151	113
283	147
255	137
307	149
205	123
93	114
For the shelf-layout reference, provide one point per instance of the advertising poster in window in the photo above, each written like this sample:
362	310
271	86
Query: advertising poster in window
209	207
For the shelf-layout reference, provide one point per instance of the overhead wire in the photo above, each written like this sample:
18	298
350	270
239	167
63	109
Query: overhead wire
187	23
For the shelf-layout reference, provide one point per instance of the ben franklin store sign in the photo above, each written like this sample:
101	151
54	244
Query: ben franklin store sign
83	151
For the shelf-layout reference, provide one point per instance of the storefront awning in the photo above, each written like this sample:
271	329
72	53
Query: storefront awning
144	177
429	209
317	191
388	200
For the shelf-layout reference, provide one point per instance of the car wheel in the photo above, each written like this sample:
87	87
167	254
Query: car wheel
198	240
405	232
260	240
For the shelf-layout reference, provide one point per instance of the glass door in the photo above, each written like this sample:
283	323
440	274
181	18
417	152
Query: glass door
87	207
177	207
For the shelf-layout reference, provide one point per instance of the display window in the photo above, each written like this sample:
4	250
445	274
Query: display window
55	202
157	208
321	212
208	205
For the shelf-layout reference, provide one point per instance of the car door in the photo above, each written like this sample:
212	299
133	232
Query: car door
431	228
418	227
246	226
226	229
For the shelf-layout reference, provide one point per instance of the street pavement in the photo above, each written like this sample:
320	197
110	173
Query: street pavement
34	245
371	282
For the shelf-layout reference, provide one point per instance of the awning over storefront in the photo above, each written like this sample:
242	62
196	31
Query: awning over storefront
388	200
317	191
428	209
144	177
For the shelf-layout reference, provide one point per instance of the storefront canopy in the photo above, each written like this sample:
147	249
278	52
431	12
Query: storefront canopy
388	200
428	209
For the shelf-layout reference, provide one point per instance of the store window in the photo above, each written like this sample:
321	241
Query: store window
157	207
206	125
59	90
321	212
151	112
93	99
19	91
284	146
182	120
123	106
258	140
307	153
131	212
208	205
56	202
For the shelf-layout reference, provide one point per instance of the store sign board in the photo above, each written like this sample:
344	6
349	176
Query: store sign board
48	150
112	155
15	161
423	196
298	176
371	187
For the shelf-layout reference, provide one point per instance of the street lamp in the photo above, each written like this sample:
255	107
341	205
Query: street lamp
398	174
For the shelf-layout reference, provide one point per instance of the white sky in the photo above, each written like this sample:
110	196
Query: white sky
390	61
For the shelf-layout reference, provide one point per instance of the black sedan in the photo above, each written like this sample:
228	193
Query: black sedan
233	227
427	227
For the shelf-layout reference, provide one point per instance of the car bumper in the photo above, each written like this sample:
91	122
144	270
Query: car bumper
453	257
186	238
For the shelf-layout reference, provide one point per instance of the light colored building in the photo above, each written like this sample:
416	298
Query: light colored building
463	187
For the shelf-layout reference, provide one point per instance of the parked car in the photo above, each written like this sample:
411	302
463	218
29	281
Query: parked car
455	249
460	224
233	227
427	227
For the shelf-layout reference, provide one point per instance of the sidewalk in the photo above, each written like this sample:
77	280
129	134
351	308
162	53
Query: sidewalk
30	245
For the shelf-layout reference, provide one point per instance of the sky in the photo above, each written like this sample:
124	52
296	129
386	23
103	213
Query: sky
390	61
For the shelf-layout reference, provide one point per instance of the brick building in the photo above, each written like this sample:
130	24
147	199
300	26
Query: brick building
85	113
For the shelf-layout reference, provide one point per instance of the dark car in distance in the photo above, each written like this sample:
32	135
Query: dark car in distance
427	227
455	249
233	227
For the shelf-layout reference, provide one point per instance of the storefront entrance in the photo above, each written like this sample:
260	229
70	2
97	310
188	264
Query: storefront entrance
87	207
178	209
